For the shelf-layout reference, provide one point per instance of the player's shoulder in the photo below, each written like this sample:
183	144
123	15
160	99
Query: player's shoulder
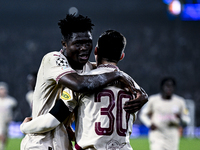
53	54
11	99
154	96
92	64
178	98
88	66
99	69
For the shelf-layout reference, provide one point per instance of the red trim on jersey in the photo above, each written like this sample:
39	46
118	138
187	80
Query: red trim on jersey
56	55
61	51
78	147
67	72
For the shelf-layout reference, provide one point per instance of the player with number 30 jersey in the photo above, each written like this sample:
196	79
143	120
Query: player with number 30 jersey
101	121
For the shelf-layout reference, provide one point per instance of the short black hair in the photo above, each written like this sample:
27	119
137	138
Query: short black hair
165	79
110	45
72	24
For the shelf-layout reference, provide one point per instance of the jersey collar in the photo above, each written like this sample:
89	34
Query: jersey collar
108	66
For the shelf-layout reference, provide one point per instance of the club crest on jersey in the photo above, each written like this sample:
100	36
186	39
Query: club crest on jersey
65	96
62	62
114	145
185	111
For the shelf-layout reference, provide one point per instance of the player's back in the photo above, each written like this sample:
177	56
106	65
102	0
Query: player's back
101	121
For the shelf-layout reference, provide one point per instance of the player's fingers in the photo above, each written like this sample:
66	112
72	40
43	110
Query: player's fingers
129	104
132	90
133	101
27	119
140	91
132	105
137	92
131	111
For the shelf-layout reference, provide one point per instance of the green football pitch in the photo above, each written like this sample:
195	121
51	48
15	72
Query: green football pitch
137	144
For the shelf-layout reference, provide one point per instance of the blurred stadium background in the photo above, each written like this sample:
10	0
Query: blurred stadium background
163	38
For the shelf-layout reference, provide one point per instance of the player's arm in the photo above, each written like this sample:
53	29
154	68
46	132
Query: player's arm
48	121
136	104
145	115
84	83
185	117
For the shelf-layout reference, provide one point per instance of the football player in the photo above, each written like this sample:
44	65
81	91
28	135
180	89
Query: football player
163	114
101	122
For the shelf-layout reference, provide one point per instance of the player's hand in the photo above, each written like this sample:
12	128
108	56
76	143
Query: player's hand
27	119
136	104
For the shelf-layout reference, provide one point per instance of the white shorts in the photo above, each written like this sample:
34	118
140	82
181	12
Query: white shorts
168	140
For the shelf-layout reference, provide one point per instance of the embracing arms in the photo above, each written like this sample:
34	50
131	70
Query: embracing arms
83	83
46	122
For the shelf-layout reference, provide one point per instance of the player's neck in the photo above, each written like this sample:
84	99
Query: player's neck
75	65
166	97
107	62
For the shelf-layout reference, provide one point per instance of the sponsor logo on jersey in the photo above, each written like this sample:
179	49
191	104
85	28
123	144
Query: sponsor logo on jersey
65	96
65	67
114	145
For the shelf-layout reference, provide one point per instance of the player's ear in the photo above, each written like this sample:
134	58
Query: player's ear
122	56
95	51
64	43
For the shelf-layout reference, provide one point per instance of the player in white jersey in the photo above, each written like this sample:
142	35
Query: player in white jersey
58	70
163	114
97	127
7	103
101	122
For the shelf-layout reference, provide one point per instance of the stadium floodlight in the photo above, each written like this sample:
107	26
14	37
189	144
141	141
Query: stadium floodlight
174	7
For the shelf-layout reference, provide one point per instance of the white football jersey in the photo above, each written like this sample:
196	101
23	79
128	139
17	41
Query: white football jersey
101	121
54	65
163	111
163	114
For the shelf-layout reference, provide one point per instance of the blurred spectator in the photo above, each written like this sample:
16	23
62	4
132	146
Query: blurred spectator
31	81
7	104
163	114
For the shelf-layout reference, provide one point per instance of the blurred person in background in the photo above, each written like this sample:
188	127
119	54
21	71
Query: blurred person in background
163	114
31	81
7	104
